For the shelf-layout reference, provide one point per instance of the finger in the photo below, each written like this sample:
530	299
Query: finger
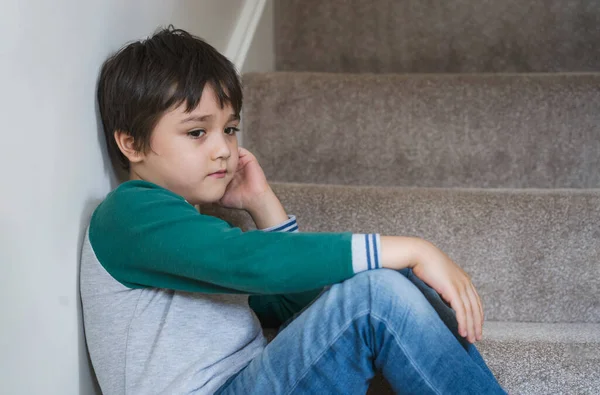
459	308
482	314
477	322
480	304
469	316
244	152
245	156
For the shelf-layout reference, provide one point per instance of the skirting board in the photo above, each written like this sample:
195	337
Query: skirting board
242	35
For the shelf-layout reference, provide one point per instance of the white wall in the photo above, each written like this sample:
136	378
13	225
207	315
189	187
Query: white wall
54	171
261	54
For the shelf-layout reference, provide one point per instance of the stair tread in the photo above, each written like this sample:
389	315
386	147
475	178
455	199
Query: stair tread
543	358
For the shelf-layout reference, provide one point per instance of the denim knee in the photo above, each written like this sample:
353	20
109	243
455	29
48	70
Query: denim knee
389	291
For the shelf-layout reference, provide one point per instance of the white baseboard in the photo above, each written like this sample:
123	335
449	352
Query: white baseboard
242	35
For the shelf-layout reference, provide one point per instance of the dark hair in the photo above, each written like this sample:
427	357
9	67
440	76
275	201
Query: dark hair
144	79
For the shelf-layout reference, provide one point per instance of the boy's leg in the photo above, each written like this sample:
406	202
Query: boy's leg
448	316
375	320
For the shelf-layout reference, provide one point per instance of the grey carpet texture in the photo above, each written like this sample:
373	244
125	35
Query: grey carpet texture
490	131
533	254
397	36
534	358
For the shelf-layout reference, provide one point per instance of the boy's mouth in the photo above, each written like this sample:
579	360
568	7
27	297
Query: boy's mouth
218	174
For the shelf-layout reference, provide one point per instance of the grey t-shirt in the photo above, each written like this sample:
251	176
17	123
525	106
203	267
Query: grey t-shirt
160	341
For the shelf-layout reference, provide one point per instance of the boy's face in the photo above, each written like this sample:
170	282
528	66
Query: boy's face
187	149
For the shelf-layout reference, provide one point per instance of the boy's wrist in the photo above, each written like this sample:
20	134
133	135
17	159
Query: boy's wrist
266	210
399	252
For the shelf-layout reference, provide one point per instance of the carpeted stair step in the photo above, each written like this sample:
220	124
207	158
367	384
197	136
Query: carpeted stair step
533	254
397	36
534	358
480	130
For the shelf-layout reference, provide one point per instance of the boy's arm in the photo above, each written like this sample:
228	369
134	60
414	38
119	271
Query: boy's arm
147	236
274	310
428	263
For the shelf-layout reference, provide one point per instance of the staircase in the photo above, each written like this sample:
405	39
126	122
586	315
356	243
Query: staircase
472	124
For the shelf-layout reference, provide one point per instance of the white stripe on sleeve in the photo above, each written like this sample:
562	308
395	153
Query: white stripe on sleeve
366	252
288	226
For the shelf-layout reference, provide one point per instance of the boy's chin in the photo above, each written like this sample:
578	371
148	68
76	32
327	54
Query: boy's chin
204	200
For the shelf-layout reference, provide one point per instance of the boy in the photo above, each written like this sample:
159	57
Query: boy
165	289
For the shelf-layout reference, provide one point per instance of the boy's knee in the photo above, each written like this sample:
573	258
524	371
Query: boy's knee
388	290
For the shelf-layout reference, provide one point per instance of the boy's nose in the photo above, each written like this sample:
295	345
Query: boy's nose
220	149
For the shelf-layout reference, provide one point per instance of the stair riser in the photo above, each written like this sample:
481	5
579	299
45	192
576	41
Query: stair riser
437	37
534	256
489	131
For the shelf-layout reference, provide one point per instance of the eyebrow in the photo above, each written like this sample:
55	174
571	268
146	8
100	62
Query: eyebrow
204	118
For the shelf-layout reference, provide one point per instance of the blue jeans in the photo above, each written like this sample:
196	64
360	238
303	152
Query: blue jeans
377	320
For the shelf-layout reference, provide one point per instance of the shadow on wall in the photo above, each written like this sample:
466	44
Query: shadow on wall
86	371
115	175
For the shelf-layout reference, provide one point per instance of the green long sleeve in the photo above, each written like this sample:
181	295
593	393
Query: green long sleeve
146	236
275	310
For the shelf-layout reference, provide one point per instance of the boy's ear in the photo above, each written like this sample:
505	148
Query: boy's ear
125	142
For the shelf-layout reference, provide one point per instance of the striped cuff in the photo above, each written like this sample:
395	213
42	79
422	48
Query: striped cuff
366	252
288	226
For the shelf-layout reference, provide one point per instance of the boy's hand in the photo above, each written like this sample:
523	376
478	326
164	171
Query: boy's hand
454	285
438	271
250	191
248	184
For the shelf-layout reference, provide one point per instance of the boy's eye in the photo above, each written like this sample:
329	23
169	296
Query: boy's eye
231	131
196	133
